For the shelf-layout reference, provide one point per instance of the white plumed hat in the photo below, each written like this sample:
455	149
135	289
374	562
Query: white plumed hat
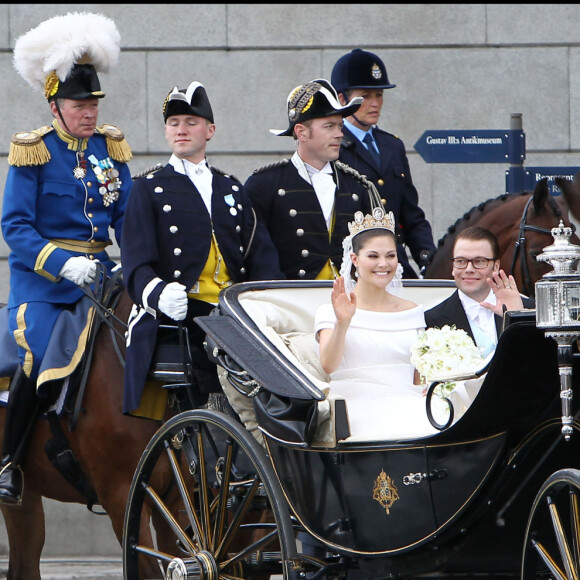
63	54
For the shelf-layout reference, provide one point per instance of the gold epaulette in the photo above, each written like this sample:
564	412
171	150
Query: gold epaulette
28	148
117	146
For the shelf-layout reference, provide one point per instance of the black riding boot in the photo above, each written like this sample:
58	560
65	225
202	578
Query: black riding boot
20	416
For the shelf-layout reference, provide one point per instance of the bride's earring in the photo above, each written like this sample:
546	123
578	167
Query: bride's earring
356	273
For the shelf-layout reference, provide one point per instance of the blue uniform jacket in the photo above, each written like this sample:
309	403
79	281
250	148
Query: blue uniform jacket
289	208
167	237
395	185
44	202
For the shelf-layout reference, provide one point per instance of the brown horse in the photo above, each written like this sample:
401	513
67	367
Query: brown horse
107	444
522	223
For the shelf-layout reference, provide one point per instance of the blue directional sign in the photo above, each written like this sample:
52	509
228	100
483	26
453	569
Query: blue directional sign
534	174
472	146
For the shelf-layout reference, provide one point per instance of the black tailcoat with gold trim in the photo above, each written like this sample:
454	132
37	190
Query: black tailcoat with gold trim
288	206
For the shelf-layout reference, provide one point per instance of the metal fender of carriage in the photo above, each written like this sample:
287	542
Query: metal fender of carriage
494	491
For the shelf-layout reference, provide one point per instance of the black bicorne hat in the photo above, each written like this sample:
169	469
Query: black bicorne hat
360	69
190	101
314	100
81	83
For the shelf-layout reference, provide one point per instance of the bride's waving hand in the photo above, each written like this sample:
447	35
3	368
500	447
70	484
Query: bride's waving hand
332	340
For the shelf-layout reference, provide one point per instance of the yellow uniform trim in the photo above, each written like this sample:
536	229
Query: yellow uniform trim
41	260
153	402
73	143
61	373
329	272
21	339
214	277
91	247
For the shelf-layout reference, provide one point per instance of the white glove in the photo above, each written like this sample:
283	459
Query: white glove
79	270
173	301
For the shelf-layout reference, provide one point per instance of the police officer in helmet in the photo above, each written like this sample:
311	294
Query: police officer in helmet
379	155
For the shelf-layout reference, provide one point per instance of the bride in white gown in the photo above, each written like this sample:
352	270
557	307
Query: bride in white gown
365	336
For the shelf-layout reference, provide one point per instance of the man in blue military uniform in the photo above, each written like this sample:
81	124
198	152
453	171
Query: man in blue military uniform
380	155
189	232
306	202
67	184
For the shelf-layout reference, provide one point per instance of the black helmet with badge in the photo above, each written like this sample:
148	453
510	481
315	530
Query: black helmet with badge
360	69
63	55
314	100
190	101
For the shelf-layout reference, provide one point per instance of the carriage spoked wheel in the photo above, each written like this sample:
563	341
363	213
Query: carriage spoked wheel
552	542
205	504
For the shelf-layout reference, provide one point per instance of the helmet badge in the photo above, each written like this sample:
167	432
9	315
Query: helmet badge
376	72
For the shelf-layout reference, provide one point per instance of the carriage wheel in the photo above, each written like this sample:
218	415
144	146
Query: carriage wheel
202	490
552	542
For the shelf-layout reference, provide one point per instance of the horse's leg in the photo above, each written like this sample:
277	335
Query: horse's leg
26	534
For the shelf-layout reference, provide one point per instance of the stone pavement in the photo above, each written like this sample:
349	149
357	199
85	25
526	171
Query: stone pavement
79	568
86	568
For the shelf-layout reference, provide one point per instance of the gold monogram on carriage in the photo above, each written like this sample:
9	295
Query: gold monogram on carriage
108	177
385	491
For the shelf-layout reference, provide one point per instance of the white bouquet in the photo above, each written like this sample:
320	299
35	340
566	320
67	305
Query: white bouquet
440	353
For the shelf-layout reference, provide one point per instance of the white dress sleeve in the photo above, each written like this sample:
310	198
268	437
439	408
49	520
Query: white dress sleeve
324	318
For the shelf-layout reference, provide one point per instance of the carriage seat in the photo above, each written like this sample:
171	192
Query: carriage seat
285	316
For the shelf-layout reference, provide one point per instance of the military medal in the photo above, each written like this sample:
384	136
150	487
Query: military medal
80	171
108	177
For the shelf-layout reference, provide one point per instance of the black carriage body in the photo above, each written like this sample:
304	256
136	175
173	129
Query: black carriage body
456	502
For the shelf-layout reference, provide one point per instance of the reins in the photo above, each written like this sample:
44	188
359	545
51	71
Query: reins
521	249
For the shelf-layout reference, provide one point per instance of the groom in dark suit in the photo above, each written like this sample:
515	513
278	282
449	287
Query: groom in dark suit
483	290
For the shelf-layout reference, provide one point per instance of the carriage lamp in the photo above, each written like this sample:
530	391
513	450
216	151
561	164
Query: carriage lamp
558	310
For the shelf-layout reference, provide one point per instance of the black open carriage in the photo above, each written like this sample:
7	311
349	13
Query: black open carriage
495	493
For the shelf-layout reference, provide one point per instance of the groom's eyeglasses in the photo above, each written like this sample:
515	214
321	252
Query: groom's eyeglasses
478	262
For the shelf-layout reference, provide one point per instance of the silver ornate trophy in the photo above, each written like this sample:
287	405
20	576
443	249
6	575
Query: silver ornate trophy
558	310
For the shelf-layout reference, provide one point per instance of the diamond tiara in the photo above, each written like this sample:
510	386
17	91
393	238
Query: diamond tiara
378	220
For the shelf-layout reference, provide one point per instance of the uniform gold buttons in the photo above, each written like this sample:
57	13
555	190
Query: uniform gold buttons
381	182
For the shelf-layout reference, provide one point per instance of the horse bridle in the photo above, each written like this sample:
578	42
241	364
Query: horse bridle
520	248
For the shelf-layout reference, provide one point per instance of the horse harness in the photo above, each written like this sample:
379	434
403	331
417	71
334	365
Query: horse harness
521	249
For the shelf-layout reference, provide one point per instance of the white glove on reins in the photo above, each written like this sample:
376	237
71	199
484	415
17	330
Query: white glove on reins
173	301
79	270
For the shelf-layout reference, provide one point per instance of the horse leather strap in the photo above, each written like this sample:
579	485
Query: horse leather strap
61	456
